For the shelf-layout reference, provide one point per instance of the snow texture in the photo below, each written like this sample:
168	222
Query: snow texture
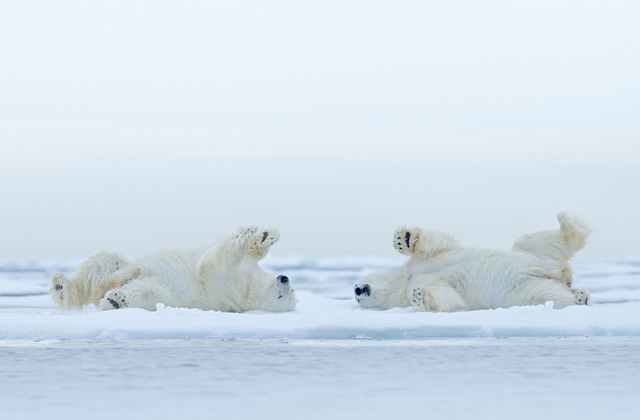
326	309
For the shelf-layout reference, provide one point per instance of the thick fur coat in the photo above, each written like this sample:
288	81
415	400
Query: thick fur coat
226	277
443	276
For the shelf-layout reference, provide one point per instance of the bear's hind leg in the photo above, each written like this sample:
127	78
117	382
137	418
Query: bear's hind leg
538	292
574	232
65	293
560	244
557	246
91	279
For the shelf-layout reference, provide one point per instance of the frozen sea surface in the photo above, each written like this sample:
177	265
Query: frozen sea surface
516	378
329	358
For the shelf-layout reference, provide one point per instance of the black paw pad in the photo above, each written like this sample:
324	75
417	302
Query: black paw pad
114	303
406	238
264	236
58	287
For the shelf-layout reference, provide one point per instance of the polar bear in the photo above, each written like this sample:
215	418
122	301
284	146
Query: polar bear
442	276
226	277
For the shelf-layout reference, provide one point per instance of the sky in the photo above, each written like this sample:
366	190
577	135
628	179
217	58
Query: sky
135	126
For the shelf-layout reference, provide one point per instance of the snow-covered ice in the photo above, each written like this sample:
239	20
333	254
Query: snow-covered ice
326	310
328	358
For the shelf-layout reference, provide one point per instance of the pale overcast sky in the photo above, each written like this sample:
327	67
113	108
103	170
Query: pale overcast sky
140	125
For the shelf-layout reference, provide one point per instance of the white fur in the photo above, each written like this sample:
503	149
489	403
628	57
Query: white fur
442	276
226	277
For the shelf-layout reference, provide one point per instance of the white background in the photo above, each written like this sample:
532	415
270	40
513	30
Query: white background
134	126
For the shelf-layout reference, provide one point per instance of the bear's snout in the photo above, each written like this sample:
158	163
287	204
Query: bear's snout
364	289
283	279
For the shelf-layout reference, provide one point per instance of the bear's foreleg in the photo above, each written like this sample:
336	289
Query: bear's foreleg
227	254
261	242
143	293
423	243
436	298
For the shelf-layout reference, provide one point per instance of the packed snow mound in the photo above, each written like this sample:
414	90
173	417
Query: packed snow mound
326	309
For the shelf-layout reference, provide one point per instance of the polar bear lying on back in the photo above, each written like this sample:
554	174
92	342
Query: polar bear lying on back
442	276
226	277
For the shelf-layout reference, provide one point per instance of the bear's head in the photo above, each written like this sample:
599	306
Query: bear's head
269	292
383	289
279	296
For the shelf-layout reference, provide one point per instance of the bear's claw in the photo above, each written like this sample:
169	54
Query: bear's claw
582	297
404	241
418	299
113	300
259	244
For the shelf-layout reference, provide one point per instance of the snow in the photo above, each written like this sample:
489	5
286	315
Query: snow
318	317
326	310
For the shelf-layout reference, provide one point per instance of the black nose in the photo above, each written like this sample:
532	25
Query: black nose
283	279
364	289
